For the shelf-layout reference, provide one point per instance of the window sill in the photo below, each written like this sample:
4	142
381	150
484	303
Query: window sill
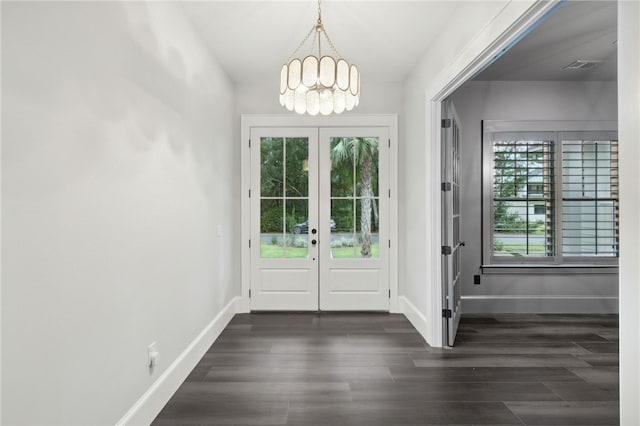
550	269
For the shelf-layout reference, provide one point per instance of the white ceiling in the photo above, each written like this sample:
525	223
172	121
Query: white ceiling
577	30
385	39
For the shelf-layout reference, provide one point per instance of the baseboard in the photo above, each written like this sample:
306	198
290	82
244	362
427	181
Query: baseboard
415	317
540	304
154	399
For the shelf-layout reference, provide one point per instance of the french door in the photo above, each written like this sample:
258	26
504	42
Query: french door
319	219
451	244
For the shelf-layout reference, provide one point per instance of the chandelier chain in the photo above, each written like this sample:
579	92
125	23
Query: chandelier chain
331	43
317	28
303	42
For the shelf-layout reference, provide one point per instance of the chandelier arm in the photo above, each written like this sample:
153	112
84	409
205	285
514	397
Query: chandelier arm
302	43
331	43
313	42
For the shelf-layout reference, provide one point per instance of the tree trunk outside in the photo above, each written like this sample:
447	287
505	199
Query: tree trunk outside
365	204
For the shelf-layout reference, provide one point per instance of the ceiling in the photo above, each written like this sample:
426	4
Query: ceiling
385	39
577	30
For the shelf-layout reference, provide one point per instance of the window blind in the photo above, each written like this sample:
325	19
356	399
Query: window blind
590	198
523	196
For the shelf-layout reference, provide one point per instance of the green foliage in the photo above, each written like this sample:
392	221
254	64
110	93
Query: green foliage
289	156
357	155
271	220
512	181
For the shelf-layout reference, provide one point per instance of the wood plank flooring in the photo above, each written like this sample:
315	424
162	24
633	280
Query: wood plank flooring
347	369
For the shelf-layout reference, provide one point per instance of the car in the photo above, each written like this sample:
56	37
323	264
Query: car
303	228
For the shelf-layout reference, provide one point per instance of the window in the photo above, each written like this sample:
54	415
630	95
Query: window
589	197
550	197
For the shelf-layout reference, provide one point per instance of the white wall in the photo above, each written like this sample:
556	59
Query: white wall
476	28
518	100
629	130
118	169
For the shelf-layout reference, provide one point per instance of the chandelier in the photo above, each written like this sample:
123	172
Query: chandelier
319	84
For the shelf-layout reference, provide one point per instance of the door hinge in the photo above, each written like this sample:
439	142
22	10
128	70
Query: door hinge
249	143
446	123
389	243
389	143
389	293
249	293
249	243
389	193
446	250
446	186
249	193
446	313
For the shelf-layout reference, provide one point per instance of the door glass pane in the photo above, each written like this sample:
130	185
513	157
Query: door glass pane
367	167
272	229
297	240
367	227
354	206
271	166
342	169
297	170
344	240
284	214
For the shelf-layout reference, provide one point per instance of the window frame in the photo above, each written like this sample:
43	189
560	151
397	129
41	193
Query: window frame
606	130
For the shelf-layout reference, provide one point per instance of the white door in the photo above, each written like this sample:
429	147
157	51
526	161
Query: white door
354	198
319	219
451	244
284	211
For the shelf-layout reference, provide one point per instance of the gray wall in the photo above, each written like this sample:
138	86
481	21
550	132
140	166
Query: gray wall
504	100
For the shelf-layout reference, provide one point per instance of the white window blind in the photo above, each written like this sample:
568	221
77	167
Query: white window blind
589	197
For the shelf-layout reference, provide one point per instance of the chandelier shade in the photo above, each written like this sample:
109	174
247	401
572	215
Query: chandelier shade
319	84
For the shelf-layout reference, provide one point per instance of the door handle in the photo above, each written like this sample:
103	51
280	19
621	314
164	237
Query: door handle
462	244
313	242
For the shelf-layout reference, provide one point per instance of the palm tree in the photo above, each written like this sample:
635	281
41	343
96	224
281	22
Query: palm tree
360	152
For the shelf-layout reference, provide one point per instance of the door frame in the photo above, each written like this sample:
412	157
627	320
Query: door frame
248	121
469	62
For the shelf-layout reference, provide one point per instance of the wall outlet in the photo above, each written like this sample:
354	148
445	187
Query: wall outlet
476	279
152	352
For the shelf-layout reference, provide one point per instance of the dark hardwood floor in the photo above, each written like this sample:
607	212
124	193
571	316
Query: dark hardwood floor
346	369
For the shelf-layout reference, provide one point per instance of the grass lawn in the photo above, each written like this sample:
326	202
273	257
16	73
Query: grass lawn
270	251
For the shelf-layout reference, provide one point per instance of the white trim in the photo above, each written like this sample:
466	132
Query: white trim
414	315
629	154
540	304
247	121
508	26
154	399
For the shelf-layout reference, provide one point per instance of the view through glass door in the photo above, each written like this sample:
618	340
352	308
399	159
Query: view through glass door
319	215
